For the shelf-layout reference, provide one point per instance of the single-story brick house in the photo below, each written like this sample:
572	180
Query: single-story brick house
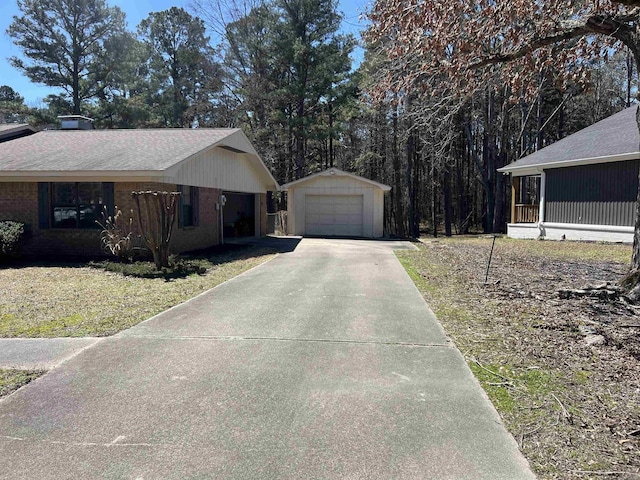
58	182
583	187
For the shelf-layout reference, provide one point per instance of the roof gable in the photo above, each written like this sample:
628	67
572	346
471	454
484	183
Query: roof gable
153	153
331	172
614	138
107	150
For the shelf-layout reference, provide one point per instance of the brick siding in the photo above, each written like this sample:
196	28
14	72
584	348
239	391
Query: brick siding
19	202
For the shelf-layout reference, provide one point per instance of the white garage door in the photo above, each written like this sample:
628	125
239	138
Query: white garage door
333	215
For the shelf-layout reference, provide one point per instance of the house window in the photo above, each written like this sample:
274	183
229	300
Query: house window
76	205
188	206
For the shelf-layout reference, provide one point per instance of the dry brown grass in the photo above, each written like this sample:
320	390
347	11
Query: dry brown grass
76	300
573	408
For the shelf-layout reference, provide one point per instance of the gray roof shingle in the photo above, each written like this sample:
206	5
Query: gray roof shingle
106	150
615	135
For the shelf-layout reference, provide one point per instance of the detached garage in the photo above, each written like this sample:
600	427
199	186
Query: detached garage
334	203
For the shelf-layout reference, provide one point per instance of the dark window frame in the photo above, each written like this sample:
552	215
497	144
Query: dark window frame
106	197
191	219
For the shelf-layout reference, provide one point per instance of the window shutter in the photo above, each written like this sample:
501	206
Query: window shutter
195	205
108	197
44	213
180	207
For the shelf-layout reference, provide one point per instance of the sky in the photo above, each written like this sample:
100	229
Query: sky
135	10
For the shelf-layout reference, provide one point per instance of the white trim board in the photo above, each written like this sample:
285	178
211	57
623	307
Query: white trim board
571	231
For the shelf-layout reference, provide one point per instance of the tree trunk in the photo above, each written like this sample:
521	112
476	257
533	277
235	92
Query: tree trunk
411	149
434	205
539	119
299	133
156	221
76	89
635	259
397	194
331	154
447	200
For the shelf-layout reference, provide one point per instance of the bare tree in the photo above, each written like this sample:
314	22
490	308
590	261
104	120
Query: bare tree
479	43
156	215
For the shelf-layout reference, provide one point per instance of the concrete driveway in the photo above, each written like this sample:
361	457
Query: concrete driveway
323	363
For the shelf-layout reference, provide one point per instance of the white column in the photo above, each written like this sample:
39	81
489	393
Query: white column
542	195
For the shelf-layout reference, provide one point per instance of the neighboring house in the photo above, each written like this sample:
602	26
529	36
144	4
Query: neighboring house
58	182
335	203
583	187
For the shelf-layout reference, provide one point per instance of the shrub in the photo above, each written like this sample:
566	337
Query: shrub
178	268
116	235
11	237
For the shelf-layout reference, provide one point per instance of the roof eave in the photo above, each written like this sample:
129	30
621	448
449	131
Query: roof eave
334	171
48	175
522	170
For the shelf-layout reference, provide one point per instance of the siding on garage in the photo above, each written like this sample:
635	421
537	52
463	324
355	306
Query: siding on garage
335	197
600	194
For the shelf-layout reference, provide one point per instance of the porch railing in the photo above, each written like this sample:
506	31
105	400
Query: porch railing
526	213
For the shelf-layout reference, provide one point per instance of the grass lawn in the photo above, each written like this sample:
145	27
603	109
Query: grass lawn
78	300
573	408
11	380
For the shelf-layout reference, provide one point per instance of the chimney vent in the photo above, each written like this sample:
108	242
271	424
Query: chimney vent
76	122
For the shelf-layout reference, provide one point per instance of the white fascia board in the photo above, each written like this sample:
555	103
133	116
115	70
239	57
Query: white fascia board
537	168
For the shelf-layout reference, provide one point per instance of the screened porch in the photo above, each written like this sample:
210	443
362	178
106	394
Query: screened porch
525	199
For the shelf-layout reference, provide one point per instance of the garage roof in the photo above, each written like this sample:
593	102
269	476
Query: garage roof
335	172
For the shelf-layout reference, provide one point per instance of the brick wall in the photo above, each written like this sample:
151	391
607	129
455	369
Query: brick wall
19	202
205	234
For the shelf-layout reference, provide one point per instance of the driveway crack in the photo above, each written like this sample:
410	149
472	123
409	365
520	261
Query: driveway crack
292	339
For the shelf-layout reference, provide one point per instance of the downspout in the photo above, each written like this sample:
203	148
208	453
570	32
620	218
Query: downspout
543	184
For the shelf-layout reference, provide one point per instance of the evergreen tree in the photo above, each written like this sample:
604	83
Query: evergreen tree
317	57
183	75
12	107
64	43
